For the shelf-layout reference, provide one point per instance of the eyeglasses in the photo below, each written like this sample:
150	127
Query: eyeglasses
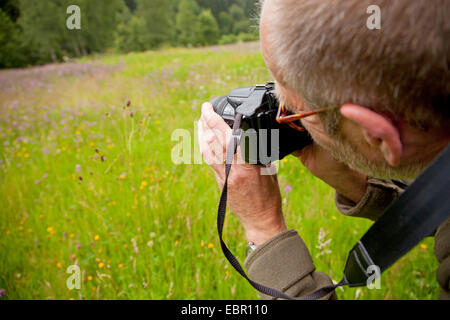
293	120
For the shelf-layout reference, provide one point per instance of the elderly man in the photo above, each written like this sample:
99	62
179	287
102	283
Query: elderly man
389	88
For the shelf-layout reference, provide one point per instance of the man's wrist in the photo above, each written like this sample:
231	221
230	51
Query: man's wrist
260	236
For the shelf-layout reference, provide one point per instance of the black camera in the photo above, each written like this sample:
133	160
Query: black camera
263	139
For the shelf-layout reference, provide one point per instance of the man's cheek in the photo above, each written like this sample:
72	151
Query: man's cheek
317	132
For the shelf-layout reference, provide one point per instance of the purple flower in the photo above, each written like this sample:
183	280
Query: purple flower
6	143
78	245
288	188
78	168
2	293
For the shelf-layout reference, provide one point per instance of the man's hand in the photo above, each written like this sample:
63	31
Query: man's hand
254	198
347	182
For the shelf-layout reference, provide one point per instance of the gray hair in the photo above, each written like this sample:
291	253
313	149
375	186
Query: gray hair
327	55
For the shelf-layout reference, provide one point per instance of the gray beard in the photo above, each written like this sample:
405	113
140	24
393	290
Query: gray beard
345	152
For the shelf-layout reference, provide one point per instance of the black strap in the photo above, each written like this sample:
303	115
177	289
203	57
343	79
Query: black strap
231	151
419	211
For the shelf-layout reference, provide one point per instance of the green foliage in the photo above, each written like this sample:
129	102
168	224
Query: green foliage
237	13
128	34
44	27
11	51
35	32
241	37
186	20
228	38
207	29
157	16
226	23
246	37
11	8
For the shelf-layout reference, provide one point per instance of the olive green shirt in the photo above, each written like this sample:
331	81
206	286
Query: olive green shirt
285	263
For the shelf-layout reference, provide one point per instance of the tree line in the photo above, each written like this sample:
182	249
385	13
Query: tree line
35	32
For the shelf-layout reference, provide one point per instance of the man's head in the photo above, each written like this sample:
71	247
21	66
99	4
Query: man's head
392	84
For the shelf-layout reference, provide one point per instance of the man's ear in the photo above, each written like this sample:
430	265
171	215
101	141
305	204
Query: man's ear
378	131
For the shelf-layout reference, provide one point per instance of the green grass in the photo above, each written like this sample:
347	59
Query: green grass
139	226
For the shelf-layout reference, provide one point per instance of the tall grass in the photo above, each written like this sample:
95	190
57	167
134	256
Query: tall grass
88	180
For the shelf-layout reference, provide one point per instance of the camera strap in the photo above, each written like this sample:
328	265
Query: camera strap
417	213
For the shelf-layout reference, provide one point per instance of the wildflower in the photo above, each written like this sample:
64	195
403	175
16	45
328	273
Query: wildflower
125	246
73	257
323	243
71	236
58	265
288	188
2	293
210	246
89	278
123	175
150	243
49	229
103	158
29	230
423	246
20	228
202	243
128	103
135	247
78	245
101	265
119	266
97	237
143	185
78	168
177	242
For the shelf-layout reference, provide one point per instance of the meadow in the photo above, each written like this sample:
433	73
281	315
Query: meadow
87	179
